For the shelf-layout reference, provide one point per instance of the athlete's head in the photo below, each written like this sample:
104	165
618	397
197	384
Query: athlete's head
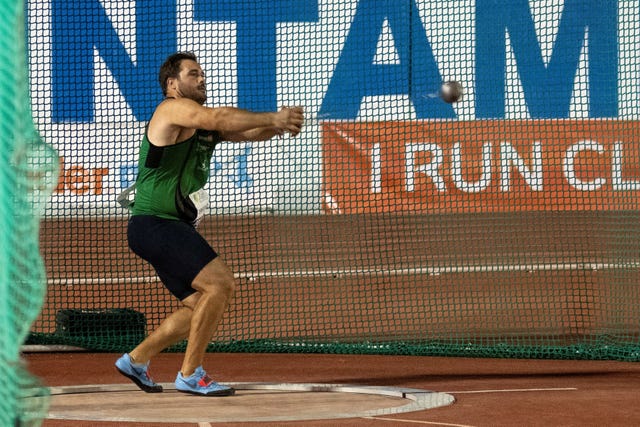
181	76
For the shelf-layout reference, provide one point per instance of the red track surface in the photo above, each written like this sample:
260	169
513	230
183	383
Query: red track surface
488	392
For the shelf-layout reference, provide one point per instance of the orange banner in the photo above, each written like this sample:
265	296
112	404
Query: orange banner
480	166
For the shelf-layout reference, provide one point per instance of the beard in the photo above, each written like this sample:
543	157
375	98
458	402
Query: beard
197	94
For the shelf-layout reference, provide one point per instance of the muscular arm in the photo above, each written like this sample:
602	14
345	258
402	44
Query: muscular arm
257	134
173	117
265	133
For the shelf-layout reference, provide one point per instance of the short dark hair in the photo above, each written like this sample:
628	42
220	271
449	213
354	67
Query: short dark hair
171	68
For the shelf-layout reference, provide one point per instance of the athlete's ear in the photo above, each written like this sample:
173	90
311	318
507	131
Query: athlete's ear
171	83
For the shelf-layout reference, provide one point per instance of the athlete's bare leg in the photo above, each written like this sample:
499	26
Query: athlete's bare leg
215	285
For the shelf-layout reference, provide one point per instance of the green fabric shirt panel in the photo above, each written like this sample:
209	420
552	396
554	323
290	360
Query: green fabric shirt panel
161	169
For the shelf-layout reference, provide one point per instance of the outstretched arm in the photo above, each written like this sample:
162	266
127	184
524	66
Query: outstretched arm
234	124
257	134
265	133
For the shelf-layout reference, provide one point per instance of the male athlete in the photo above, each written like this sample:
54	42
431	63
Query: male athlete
175	155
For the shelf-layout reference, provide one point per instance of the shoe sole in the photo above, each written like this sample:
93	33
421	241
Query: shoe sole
140	384
218	393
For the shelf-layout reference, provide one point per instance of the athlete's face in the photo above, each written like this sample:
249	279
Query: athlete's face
191	81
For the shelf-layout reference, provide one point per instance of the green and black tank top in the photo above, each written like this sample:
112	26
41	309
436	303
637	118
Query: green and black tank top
162	169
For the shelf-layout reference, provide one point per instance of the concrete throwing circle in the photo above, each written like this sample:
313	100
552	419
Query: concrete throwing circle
252	402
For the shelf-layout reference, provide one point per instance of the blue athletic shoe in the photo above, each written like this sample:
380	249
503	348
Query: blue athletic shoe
139	374
199	383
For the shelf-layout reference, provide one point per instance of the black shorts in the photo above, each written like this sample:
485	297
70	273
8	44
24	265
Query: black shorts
174	248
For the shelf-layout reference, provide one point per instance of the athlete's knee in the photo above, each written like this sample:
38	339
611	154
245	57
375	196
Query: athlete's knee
225	285
220	284
215	278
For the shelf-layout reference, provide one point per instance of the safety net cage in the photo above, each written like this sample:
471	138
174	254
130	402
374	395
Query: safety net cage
502	223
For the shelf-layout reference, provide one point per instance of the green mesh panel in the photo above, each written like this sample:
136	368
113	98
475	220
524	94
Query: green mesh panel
28	174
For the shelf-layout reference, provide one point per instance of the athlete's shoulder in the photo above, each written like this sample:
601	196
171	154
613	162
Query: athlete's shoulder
177	110
170	102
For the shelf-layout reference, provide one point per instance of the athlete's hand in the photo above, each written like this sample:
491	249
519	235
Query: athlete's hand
289	120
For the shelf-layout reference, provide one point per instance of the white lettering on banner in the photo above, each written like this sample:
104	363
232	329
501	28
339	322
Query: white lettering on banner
376	169
509	158
429	169
456	170
620	184
568	166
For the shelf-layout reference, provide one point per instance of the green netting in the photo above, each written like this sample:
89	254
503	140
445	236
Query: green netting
28	174
503	225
